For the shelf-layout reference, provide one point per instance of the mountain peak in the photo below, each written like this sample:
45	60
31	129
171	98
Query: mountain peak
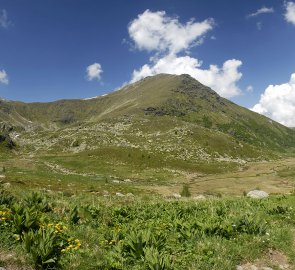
180	98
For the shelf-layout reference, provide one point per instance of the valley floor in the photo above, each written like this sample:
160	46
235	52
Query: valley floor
60	212
66	173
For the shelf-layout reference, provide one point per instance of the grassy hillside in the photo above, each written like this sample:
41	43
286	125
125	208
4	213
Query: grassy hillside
180	98
162	129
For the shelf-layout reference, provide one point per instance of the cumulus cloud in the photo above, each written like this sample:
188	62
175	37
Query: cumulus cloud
290	12
278	103
3	77
155	31
262	10
4	22
221	79
167	38
94	72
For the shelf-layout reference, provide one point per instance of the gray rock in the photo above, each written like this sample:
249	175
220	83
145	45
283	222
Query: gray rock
199	197
176	195
129	195
253	267
249	266
116	181
257	194
119	194
6	185
284	266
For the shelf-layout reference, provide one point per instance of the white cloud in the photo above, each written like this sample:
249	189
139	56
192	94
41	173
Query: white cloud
4	22
278	102
262	10
155	31
3	77
167	38
290	12
223	80
249	89
94	72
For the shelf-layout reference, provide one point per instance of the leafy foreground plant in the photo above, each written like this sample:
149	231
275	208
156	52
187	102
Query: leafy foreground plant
154	260
44	243
214	234
24	219
44	247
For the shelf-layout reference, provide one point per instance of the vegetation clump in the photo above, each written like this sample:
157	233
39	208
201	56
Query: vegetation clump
86	232
185	192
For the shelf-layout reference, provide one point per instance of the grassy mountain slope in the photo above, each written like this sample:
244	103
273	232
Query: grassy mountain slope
158	98
158	133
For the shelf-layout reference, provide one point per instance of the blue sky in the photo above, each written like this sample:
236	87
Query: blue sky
46	47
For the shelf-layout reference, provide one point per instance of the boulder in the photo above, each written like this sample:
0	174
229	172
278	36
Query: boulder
7	141
116	181
127	181
6	185
257	194
176	195
199	197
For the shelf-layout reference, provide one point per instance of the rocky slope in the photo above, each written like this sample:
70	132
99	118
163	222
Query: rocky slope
165	113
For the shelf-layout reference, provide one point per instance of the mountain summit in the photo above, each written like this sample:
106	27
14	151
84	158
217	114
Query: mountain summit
161	104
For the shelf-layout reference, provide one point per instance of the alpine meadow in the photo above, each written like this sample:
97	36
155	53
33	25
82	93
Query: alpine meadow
185	165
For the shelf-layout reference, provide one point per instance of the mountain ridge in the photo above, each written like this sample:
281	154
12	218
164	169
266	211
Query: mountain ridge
155	98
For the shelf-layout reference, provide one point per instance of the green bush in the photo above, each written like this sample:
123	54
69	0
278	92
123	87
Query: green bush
39	201
6	198
154	260
185	192
44	247
25	219
74	215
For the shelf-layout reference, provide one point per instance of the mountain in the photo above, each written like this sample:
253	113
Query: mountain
174	117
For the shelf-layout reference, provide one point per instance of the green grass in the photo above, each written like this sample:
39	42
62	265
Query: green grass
288	172
141	233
